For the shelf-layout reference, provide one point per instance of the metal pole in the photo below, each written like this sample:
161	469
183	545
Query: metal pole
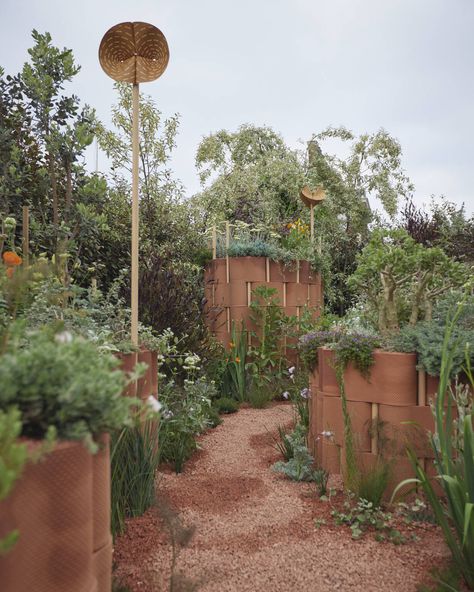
135	215
311	215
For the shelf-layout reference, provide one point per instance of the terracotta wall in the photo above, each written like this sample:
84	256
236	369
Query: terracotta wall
61	508
229	283
148	384
395	398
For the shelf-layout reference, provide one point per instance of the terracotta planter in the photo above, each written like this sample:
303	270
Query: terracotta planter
408	426
223	294
315	294
248	273
361	419
393	379
278	286
216	271
282	273
331	458
327	375
127	365
51	506
239	315
248	269
297	294
237	293
305	272
145	384
101	493
216	318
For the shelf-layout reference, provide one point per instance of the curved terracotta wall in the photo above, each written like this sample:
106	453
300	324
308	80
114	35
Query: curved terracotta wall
229	283
61	507
394	398
148	384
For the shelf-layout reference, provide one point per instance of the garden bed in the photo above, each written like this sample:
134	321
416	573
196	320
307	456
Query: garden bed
229	283
389	410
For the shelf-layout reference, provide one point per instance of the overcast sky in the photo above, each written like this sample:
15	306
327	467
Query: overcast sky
295	65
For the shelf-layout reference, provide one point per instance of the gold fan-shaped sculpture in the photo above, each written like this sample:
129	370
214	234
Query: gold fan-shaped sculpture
312	198
134	52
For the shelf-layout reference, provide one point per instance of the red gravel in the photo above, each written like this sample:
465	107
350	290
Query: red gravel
255	530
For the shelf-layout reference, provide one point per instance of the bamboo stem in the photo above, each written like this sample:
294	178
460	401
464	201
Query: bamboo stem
214	242
26	236
421	387
135	214
374	442
227	245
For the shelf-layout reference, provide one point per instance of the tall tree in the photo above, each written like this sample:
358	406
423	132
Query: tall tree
248	175
371	170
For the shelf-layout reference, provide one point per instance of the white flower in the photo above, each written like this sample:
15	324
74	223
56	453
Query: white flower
291	370
168	414
63	337
305	394
286	395
327	434
155	405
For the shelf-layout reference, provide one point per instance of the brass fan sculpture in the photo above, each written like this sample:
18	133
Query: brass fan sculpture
312	199
134	53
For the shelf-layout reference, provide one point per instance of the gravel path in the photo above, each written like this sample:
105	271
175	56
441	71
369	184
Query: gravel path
255	530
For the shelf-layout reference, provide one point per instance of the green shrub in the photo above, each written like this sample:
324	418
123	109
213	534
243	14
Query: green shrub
253	248
299	467
365	516
358	349
213	418
401	280
226	405
185	414
309	343
12	460
373	482
426	338
234	379
63	383
320	479
287	442
134	459
454	463
260	395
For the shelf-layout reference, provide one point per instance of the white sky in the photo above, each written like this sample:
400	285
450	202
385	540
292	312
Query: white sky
295	65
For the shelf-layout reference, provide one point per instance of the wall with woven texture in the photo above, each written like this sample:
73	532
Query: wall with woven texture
388	411
228	291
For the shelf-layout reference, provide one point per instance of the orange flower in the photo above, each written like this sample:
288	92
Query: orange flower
231	345
237	359
10	271
11	259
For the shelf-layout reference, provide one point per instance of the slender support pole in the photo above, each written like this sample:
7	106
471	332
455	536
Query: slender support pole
227	245
26	236
374	441
135	214
421	388
311	217
214	242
